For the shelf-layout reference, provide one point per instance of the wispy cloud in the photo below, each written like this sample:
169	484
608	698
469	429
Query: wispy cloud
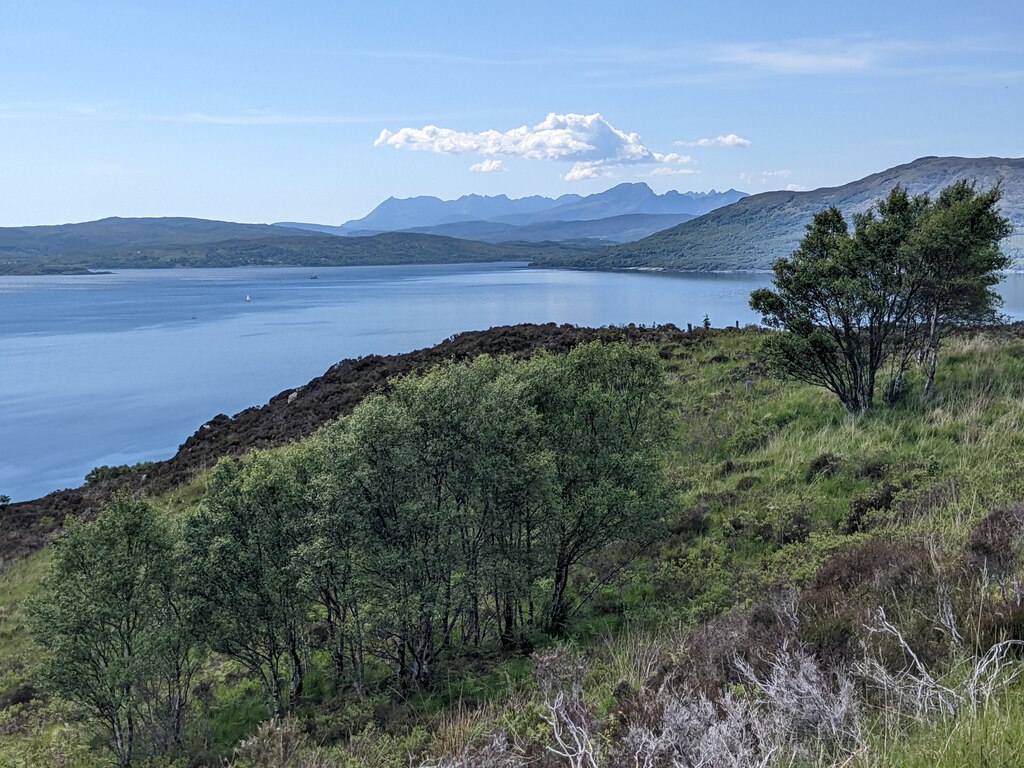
805	57
112	112
666	170
593	146
31	109
732	62
487	166
769	177
728	140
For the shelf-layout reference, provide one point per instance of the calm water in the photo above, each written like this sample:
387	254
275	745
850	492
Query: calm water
114	369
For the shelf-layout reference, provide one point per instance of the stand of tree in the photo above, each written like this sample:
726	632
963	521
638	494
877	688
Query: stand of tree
448	515
854	307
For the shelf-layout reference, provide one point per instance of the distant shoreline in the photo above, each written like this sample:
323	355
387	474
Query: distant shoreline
85	271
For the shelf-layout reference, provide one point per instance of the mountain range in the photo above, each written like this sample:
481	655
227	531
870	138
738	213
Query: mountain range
620	214
754	231
625	227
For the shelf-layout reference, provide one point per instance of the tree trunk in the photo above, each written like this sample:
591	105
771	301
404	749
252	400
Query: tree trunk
296	676
121	743
894	390
931	356
933	363
272	686
556	611
508	629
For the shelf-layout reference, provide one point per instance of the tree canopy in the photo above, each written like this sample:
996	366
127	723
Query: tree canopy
851	305
111	623
450	512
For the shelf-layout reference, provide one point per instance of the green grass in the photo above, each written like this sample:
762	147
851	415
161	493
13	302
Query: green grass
767	477
992	739
19	581
743	454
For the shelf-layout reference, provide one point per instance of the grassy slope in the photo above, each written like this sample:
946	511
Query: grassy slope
309	249
749	515
753	232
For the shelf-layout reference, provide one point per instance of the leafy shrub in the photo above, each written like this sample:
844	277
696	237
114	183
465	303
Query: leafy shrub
747	482
995	544
825	465
690	522
102	473
877	499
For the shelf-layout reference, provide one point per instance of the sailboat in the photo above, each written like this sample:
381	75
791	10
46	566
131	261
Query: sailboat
248	297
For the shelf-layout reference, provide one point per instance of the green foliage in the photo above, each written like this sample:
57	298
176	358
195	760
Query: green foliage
850	305
992	737
603	420
767	479
138	244
243	569
19	582
110	623
101	473
450	512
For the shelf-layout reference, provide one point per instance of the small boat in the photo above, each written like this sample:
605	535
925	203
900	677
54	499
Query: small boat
248	297
314	276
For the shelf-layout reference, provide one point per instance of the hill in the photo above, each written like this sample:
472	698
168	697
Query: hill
125	233
757	612
160	243
751	233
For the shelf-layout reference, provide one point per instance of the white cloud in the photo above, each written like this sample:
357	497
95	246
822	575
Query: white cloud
728	140
487	166
803	57
666	170
766	177
589	142
582	171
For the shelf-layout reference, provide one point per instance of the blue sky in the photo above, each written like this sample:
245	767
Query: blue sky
317	111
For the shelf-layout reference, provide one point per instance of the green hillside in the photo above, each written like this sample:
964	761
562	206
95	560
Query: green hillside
163	243
753	232
790	525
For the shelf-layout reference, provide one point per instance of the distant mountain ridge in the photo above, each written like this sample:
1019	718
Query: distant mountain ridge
754	231
399	214
396	214
748	233
636	198
612	229
601	216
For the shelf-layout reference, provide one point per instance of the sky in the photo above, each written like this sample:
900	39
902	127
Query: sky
318	111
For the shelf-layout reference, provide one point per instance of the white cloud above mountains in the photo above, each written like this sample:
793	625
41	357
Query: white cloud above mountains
593	146
728	140
769	177
487	166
